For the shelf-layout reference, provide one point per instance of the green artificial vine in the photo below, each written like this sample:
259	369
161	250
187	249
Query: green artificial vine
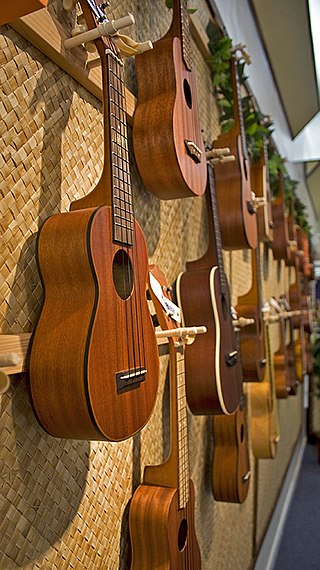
258	126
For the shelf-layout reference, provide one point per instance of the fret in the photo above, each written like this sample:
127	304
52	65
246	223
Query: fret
238	106
122	209
216	228
182	434
185	35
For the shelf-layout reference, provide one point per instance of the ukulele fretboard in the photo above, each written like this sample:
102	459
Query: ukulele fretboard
238	106
216	228
185	35
183	456
120	168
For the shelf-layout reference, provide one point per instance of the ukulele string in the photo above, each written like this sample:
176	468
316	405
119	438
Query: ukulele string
118	186
125	218
130	231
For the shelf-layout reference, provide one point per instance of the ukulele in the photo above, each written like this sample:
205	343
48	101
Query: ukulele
293	239
280	244
94	359
167	137
252	342
292	357
260	183
264	424
161	517
236	207
204	296
284	357
231	464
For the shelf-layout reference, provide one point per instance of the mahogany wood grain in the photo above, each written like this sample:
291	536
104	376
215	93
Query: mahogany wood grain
236	209
73	384
231	464
162	535
166	117
280	244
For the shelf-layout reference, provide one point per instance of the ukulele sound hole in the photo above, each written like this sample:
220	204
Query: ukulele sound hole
122	274
182	535
187	93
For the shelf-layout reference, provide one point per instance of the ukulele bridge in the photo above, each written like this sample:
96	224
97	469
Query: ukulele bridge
193	151
128	378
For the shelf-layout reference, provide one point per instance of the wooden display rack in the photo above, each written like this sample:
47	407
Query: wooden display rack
12	10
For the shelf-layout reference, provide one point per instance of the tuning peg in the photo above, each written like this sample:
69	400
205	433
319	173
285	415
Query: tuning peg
271	318
242	322
104	29
217	152
185	334
241	47
69	5
259	202
219	155
292	244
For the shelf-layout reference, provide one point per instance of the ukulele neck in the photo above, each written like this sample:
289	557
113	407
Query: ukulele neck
237	106
180	28
116	148
215	241
174	472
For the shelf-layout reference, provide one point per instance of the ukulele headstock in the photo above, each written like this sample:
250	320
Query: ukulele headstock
168	313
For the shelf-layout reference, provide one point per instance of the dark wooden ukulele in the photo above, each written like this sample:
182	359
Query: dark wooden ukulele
161	518
167	137
281	242
94	359
204	296
284	358
252	342
260	185
237	211
231	464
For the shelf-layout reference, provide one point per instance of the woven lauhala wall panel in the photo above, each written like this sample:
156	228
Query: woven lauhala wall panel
64	504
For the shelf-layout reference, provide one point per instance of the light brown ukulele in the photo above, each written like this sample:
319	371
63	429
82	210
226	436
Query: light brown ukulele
161	517
94	359
264	422
235	201
167	137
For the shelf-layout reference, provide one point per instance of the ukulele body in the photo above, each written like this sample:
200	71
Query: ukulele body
236	211
262	421
231	465
213	377
252	343
162	535
87	333
166	117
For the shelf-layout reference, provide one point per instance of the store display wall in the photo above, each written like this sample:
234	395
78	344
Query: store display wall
64	504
